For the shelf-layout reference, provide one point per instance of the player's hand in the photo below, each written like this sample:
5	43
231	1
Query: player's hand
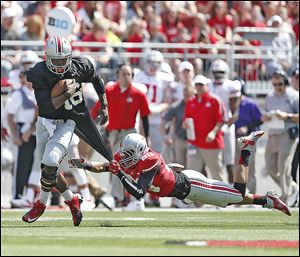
71	88
77	162
103	114
4	134
114	167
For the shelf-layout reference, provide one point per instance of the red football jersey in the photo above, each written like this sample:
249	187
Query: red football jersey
164	180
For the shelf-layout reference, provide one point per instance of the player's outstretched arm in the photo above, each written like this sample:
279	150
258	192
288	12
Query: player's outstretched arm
81	163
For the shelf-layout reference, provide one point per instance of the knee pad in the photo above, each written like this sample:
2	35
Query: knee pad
48	179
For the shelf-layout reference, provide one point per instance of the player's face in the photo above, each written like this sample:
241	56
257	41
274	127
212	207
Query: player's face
152	67
218	76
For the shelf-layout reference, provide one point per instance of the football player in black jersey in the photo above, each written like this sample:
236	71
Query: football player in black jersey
61	116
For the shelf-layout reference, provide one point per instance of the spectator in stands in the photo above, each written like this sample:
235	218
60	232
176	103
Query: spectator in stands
154	29
283	44
35	31
220	22
269	9
282	108
8	27
39	7
116	12
170	23
205	146
293	12
135	10
90	11
136	33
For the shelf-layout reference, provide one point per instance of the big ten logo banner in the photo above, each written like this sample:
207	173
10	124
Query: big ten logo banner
60	21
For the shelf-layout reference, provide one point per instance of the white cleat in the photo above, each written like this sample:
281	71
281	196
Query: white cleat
135	205
248	142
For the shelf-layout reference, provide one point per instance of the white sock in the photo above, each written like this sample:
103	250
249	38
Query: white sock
68	195
44	196
29	194
85	192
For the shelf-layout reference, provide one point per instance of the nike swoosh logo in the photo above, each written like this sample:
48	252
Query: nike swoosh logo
32	220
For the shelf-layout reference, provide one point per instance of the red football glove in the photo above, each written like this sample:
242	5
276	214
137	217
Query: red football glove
114	167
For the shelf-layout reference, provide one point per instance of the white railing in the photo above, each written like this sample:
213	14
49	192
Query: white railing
233	54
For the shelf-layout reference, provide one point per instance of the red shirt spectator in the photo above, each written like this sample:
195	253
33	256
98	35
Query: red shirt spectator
123	106
206	114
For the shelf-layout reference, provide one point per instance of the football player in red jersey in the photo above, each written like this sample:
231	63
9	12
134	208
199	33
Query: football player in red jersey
149	173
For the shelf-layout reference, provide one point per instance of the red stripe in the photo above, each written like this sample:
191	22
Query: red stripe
210	186
59	44
256	243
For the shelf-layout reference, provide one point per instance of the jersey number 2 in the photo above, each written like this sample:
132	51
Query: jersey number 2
75	99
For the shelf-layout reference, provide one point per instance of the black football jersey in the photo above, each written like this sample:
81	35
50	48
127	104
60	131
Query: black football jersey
74	108
43	81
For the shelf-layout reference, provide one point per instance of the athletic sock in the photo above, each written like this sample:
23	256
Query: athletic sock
241	187
44	196
259	199
68	195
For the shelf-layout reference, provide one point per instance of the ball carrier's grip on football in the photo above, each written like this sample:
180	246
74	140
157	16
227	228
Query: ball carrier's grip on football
62	91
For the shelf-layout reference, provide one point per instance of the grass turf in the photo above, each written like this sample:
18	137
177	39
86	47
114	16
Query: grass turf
123	234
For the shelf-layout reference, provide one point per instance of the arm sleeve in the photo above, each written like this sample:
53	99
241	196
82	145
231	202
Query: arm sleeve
139	189
146	125
93	77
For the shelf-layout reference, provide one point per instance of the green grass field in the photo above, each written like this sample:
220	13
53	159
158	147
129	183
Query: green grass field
121	234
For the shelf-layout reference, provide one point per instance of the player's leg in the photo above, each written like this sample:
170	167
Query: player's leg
55	150
210	191
270	200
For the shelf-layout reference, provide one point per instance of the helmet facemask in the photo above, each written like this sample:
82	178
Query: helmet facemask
58	55
131	150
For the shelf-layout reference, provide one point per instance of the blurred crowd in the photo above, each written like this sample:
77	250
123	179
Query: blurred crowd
169	85
203	22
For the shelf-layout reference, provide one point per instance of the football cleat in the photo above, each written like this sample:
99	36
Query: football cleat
273	202
74	205
248	142
35	212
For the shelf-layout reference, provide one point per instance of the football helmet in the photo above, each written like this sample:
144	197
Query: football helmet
132	148
153	61
58	55
219	70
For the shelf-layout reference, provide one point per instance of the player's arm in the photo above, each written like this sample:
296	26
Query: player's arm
81	163
98	84
137	189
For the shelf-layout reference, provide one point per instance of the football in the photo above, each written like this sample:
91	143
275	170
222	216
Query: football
60	87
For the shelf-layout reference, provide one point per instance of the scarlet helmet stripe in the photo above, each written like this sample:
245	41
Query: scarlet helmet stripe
59	45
